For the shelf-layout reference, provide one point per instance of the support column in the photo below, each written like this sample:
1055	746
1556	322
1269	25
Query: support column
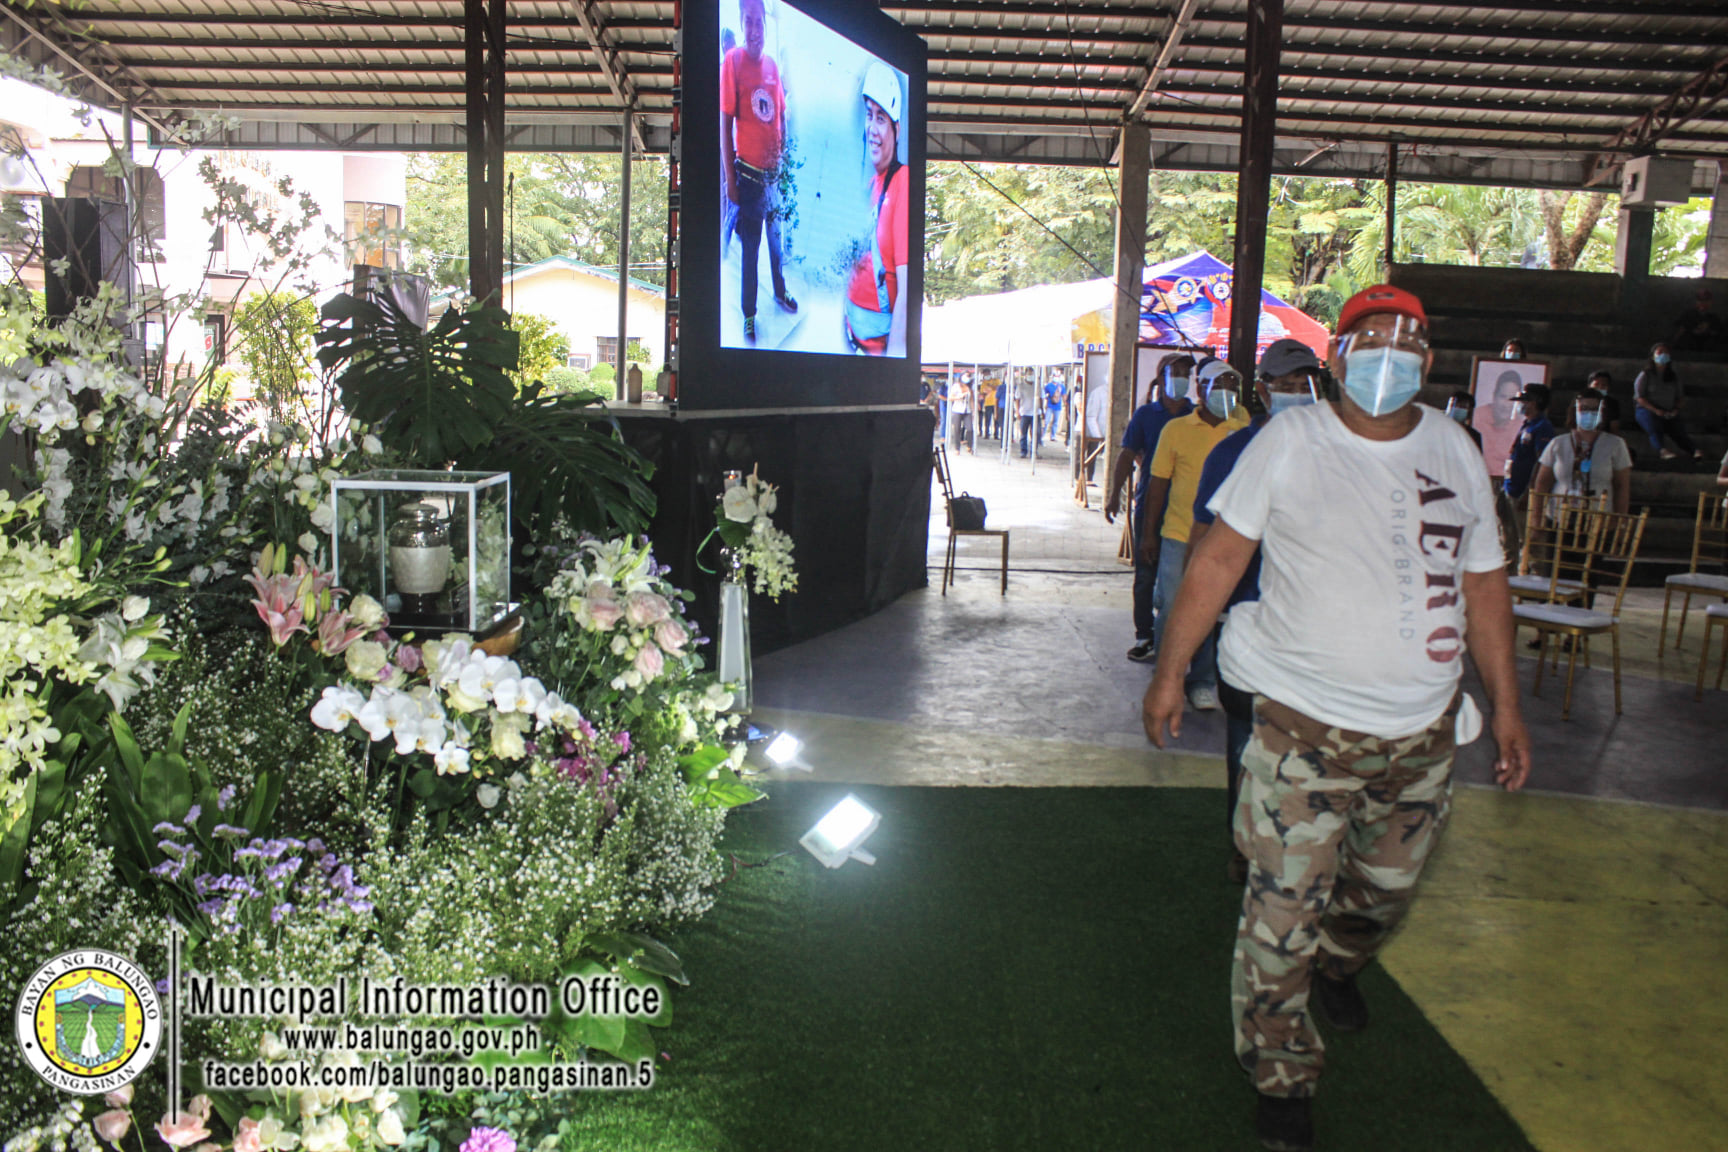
1254	179
1632	243
624	254
483	43
1130	264
1390	257
1716	238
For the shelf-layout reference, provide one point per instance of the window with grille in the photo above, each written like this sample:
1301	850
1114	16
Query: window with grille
370	231
608	349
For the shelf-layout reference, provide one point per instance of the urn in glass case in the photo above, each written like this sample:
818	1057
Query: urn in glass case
432	547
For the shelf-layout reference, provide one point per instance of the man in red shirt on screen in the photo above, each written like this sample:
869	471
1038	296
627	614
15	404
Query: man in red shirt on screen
752	133
876	299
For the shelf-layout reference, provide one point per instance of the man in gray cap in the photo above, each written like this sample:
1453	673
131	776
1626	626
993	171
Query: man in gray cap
1289	376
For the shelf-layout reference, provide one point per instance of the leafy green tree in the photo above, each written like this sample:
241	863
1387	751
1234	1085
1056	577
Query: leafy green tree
566	204
274	334
544	347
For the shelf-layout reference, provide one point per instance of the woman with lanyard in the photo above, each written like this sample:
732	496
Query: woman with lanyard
1587	461
876	299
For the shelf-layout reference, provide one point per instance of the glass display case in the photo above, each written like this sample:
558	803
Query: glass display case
432	547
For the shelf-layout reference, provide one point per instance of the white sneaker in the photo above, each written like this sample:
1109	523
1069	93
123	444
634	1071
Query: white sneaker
1203	699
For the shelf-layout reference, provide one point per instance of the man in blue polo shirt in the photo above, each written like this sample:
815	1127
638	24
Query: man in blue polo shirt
1289	376
1168	401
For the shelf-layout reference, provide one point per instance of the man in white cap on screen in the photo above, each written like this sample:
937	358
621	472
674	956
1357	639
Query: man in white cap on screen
1380	567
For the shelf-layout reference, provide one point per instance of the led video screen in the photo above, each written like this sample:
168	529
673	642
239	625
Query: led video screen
816	194
802	256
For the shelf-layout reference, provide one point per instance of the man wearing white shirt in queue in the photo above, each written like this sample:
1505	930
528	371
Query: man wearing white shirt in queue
1376	529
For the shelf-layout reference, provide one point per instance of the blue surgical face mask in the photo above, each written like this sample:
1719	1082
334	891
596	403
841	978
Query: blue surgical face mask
1382	380
1221	402
1662	359
1589	421
1175	387
1459	413
1284	401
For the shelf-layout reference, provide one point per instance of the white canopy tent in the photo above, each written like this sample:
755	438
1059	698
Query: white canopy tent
1032	327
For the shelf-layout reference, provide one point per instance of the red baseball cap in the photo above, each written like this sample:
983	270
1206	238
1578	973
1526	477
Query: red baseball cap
1380	298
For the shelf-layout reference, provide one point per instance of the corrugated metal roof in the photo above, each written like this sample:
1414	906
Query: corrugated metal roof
1545	80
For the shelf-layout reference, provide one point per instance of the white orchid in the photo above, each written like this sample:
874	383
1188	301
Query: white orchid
338	707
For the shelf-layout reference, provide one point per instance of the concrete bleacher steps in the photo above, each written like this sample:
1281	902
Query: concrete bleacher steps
1579	323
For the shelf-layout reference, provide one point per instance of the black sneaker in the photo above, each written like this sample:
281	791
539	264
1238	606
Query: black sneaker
1340	1002
787	301
1143	653
1284	1123
750	328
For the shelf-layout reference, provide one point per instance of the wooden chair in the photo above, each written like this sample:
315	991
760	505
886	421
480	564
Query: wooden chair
940	461
1583	539
1531	582
1715	614
1709	550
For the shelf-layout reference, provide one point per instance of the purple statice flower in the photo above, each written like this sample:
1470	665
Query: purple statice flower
229	831
248	853
167	829
224	798
168	870
192	815
171	848
281	912
314	846
489	1140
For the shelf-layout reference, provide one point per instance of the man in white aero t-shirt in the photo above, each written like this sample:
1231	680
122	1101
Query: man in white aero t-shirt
1376	530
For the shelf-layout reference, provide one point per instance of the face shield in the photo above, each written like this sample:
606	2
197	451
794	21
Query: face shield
1384	357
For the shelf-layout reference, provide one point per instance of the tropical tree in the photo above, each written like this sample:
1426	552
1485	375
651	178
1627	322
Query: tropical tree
563	204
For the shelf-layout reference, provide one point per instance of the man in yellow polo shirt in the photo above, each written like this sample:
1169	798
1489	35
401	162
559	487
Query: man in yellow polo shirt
1182	450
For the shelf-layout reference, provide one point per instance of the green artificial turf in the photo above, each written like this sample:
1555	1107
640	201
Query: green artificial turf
1022	969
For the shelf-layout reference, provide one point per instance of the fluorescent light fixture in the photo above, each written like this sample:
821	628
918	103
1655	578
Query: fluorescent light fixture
783	748
837	837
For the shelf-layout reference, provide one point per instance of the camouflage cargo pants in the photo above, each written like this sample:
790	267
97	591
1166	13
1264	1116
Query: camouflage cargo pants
1336	826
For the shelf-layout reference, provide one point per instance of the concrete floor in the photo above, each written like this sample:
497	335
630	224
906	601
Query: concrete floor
1570	941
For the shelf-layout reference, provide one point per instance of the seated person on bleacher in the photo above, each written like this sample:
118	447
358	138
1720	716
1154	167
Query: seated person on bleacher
1601	383
1699	329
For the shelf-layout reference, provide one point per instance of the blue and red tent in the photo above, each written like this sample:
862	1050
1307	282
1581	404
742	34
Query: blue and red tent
1186	302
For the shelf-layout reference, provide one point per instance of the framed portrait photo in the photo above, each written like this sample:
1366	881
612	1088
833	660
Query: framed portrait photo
1494	383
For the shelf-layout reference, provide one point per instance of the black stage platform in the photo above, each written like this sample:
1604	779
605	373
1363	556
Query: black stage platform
854	493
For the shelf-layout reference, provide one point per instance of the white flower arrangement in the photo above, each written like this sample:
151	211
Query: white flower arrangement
41	644
759	552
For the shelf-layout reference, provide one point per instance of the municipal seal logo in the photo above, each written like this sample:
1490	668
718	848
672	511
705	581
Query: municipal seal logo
763	105
89	1021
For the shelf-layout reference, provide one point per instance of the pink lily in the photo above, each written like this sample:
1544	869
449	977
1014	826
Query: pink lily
336	633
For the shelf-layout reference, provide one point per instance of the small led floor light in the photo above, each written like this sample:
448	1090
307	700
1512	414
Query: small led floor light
783	749
837	837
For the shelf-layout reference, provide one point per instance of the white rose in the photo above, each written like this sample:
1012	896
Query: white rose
365	659
308	543
372	446
366	612
133	608
488	795
323	517
270	1047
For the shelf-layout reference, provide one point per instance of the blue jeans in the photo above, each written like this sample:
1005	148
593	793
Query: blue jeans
756	207
1203	669
1654	426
